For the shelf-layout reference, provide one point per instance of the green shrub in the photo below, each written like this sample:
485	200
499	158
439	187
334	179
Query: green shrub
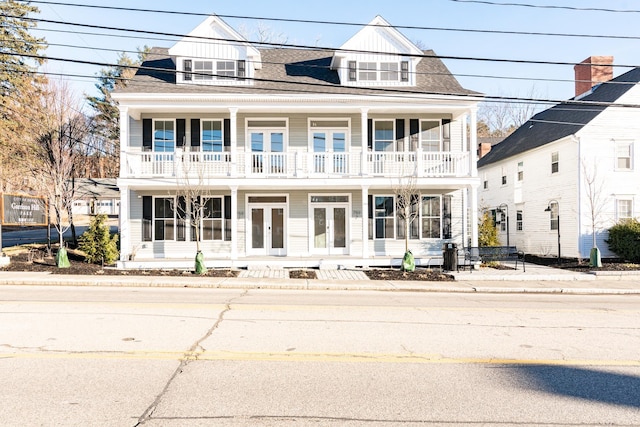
98	244
487	231
624	240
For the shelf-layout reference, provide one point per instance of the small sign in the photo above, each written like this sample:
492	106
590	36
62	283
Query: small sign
24	210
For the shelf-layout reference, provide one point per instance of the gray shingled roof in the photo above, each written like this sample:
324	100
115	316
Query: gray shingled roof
96	188
561	120
289	71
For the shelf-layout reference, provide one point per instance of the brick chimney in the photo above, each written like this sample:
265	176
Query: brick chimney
591	71
483	149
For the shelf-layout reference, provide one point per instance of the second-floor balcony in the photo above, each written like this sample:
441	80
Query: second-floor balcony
297	164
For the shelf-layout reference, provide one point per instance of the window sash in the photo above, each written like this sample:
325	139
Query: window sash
384	135
367	71
623	156
203	70
164	219
389	71
553	216
225	69
211	136
430	135
164	136
624	209
555	162
431	217
384	217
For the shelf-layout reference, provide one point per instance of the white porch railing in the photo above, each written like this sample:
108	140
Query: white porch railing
295	164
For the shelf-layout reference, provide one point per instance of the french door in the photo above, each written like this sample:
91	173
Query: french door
329	229
267	228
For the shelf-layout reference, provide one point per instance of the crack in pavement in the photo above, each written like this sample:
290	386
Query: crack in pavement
189	356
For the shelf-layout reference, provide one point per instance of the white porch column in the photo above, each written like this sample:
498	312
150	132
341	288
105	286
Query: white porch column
473	217
124	139
473	149
364	117
233	124
234	222
125	224
365	222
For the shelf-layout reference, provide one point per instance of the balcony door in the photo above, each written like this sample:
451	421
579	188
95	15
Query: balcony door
267	139
329	218
267	225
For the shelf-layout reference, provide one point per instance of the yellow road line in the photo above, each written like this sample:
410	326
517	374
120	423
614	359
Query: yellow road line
315	357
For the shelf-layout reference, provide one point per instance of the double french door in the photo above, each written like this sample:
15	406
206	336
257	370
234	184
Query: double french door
268	226
329	229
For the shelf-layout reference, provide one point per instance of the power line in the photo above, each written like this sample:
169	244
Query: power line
318	48
343	23
539	6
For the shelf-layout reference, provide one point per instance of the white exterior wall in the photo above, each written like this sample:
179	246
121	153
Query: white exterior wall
533	194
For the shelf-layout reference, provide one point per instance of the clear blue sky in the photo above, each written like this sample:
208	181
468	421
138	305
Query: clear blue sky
421	13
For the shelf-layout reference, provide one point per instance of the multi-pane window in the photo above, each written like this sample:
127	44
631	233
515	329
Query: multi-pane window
225	69
367	71
384	135
519	220
431	217
203	70
212	218
554	216
164	136
623	155
408	211
555	167
384	217
504	176
503	221
389	71
212	135
520	171
624	209
164	218
430	135
485	184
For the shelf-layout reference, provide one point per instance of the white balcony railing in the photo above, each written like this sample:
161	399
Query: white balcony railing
295	164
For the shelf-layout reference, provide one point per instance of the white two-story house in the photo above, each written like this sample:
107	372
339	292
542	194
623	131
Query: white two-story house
297	154
571	171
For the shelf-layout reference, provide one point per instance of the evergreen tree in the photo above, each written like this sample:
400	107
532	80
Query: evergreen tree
20	90
107	117
97	243
487	231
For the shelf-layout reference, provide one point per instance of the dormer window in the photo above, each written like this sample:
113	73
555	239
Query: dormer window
209	71
378	71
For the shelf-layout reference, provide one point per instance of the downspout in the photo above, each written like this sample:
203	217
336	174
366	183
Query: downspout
579	198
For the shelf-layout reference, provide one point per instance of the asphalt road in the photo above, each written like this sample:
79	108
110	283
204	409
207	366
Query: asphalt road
195	357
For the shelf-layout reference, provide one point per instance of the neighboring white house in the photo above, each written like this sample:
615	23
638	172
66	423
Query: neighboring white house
94	196
296	151
578	159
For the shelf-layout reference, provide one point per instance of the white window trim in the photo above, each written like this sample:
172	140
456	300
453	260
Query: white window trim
348	216
624	142
347	130
440	216
440	129
617	211
557	162
393	135
208	119
221	219
248	130
394	216
153	218
247	210
236	80
153	134
411	71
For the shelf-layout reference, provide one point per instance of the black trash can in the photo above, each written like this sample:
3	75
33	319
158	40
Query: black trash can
450	256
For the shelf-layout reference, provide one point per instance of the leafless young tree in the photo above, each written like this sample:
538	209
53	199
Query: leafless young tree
407	200
596	198
56	150
194	202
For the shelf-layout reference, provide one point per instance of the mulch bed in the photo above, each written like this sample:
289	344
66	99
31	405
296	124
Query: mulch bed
419	274
20	262
302	274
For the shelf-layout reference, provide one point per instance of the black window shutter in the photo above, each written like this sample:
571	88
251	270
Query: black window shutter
446	217
370	206
399	129
352	71
370	134
147	133
414	130
147	217
195	132
227	218
404	71
414	127
187	70
181	131
446	134
227	132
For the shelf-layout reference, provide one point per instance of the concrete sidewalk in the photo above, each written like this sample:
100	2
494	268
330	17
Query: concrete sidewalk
536	279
